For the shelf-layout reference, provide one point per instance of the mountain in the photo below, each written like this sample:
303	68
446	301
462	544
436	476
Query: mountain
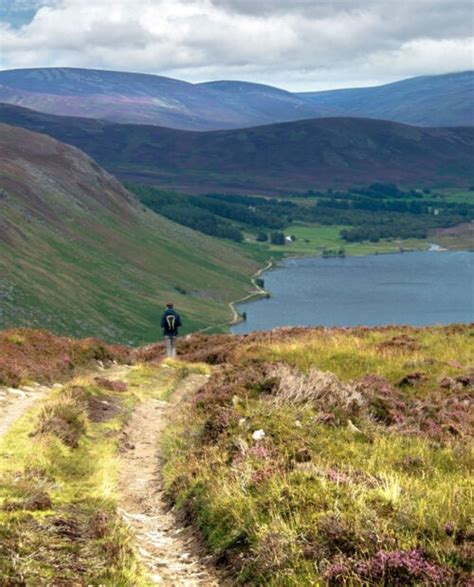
150	99
442	100
79	254
435	100
295	156
265	104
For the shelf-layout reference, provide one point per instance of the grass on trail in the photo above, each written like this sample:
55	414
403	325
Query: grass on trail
58	485
361	474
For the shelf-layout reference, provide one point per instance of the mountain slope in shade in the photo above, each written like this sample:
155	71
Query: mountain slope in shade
80	256
437	100
332	152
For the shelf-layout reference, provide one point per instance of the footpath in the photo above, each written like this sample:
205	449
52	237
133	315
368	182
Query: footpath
168	552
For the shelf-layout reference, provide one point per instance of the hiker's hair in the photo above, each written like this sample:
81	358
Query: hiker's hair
169	305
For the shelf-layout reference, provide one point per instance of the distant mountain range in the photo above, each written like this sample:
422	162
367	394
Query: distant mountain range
433	100
443	100
295	156
79	255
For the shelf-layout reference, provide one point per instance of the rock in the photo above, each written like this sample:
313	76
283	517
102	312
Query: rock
58	385
17	392
258	434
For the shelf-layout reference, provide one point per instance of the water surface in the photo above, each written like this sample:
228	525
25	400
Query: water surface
411	288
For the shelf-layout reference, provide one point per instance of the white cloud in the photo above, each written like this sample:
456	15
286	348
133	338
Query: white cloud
299	44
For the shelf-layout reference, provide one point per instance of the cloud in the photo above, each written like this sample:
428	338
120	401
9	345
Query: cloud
298	44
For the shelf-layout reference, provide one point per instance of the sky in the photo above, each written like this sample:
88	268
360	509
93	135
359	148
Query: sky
299	45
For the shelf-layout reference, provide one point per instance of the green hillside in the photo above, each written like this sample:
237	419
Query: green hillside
80	256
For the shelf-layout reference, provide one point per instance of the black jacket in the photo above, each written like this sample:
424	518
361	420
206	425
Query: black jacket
170	322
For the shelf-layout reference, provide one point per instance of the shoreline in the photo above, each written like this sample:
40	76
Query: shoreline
236	317
259	291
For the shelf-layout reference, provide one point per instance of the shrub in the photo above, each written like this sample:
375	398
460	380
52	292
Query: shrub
277	238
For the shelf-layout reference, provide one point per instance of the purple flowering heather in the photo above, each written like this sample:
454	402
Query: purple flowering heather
396	567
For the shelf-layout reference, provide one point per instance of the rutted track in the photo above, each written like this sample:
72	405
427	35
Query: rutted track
171	553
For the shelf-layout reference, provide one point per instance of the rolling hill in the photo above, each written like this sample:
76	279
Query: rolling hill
441	100
80	256
433	100
296	156
150	99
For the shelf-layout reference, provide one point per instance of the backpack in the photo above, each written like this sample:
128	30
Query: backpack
170	322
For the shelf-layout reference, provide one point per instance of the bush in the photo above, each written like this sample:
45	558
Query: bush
277	238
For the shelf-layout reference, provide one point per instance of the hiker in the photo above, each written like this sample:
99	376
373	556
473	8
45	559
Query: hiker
170	322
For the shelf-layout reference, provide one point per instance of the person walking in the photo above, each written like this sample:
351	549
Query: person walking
170	322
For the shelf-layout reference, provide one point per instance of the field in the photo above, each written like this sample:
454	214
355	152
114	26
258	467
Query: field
313	238
457	195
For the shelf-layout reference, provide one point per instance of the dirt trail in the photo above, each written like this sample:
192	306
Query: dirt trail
15	402
171	553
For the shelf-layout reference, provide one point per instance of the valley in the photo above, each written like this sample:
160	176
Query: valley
334	453
80	255
236	293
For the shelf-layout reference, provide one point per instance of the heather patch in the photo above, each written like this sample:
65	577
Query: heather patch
397	567
329	459
38	355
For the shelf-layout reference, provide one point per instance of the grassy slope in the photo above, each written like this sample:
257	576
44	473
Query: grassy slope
79	256
343	488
